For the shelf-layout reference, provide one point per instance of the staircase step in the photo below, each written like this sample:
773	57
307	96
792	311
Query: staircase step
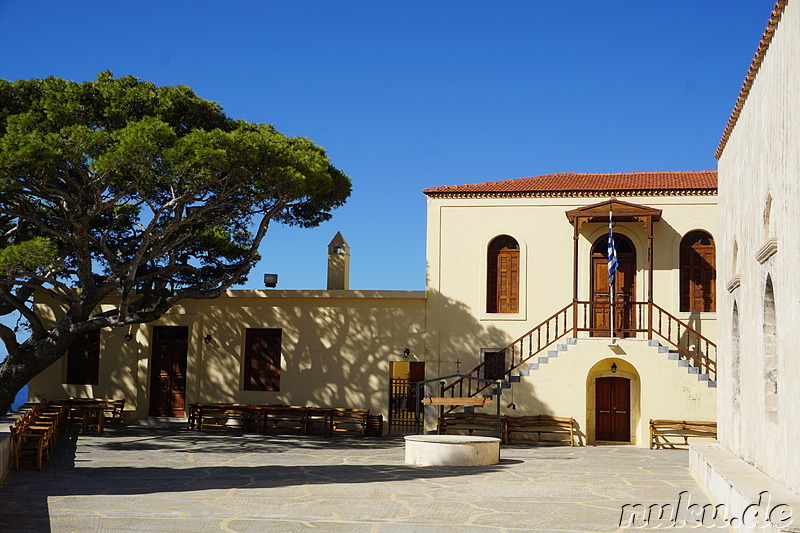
693	370
533	366
712	383
524	373
514	379
552	353
543	360
653	342
702	377
673	356
572	340
562	347
683	362
663	349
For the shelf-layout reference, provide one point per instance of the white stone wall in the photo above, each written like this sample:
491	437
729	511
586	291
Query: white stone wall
761	161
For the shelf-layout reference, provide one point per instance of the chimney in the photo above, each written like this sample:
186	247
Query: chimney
338	264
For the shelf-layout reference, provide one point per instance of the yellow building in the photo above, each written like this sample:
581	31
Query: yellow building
518	259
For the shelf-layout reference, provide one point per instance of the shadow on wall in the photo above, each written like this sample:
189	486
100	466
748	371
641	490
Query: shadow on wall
337	351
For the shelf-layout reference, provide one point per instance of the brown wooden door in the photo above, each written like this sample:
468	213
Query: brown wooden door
624	289
168	371
612	409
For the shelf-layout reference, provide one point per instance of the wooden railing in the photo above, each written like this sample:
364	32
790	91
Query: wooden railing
631	318
692	345
516	354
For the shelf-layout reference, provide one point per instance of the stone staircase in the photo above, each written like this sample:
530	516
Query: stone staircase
674	355
561	349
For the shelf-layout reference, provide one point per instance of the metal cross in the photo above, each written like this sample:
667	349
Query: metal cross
458	366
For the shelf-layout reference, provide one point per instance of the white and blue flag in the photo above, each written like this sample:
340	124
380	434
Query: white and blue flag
613	264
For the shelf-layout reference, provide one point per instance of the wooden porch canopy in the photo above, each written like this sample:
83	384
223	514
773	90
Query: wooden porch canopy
622	212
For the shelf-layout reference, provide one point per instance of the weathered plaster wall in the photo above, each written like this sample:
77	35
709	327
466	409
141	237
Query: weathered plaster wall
336	349
762	160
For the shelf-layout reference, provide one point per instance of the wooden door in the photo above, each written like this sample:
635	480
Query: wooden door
168	371
612	409
624	289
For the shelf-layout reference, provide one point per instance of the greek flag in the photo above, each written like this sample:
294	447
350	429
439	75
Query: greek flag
613	264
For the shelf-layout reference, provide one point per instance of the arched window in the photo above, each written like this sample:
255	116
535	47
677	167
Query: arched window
770	350
502	276
736	372
698	273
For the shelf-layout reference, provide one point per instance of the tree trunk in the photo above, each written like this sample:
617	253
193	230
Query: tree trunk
26	364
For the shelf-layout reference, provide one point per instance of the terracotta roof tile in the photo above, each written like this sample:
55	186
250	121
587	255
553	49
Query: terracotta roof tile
590	184
755	65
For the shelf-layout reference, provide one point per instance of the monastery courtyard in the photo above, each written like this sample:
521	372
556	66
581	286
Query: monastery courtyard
169	479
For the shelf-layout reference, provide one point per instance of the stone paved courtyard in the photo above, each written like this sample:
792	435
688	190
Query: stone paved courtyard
168	479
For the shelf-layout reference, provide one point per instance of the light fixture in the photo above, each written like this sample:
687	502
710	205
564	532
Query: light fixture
207	339
406	352
613	368
128	337
270	280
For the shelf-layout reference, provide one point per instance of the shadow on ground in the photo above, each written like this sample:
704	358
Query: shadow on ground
253	462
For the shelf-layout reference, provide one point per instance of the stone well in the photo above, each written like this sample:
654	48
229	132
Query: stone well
452	450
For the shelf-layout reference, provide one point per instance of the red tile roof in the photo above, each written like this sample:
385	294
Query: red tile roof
591	184
755	65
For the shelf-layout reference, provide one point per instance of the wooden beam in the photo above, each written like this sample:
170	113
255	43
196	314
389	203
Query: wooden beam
457	401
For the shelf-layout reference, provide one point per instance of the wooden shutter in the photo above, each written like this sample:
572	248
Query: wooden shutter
262	359
83	359
502	276
698	273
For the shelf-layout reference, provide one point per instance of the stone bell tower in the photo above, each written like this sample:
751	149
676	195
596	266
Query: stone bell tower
338	264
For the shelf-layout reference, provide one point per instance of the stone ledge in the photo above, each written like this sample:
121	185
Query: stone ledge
729	480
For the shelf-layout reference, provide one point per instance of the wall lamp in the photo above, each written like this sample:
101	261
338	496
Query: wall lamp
613	368
406	352
208	338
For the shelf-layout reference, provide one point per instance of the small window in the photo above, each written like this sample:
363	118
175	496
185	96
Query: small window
495	365
698	273
502	279
83	359
262	359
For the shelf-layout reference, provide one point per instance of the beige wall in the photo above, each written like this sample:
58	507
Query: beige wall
336	349
459	231
762	159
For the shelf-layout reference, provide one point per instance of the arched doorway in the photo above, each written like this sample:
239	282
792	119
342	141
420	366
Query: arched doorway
613	407
624	290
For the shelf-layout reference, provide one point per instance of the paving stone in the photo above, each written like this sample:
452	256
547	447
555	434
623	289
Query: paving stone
135	478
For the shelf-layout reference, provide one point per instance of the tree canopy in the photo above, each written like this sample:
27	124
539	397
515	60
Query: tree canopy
119	190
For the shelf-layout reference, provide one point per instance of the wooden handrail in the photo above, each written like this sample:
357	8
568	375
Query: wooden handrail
705	361
559	321
557	326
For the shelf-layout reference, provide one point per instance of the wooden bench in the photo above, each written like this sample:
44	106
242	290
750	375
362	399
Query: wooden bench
661	431
471	423
349	421
540	428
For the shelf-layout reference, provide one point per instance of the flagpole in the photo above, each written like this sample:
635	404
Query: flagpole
610	269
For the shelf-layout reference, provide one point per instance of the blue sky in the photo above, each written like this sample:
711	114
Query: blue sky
408	95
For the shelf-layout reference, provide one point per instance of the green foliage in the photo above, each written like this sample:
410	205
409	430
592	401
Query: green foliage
34	255
149	191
